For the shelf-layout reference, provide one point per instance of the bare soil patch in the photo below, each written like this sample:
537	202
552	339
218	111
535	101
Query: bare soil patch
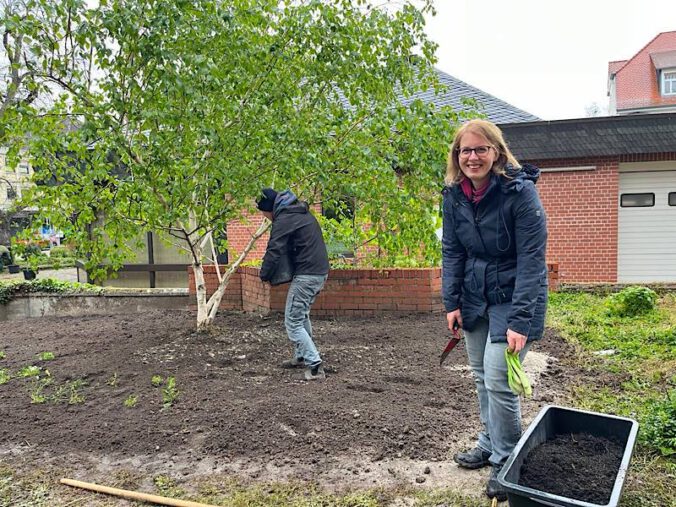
387	413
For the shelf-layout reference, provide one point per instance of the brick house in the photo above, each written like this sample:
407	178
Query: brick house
608	185
646	83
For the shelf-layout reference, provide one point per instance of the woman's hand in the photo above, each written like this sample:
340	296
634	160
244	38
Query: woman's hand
454	319
515	341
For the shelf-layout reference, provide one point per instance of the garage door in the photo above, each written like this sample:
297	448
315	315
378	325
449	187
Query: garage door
647	225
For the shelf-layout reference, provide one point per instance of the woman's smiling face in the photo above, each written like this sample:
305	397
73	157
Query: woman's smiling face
476	166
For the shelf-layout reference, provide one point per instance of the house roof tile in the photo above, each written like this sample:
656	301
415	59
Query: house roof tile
592	137
496	110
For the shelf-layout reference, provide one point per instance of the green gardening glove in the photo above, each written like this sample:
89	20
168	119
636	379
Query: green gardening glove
516	377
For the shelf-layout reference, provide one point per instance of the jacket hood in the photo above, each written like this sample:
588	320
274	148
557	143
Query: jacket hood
516	176
287	201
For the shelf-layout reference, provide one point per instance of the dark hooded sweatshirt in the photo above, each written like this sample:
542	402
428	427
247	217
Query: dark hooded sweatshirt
494	255
296	233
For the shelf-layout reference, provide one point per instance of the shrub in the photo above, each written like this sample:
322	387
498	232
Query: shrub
631	302
59	252
32	249
5	256
659	426
10	288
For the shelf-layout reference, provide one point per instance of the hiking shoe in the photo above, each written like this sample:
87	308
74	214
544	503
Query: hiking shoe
296	362
315	372
472	459
494	489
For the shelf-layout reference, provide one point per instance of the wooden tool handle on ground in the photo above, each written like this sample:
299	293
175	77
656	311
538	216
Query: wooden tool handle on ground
133	495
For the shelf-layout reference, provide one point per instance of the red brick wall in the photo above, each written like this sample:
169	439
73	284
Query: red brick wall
347	292
239	235
581	209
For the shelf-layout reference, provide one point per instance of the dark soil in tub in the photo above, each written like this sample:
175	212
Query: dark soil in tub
579	466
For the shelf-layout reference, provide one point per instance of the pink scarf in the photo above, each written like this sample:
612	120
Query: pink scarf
474	195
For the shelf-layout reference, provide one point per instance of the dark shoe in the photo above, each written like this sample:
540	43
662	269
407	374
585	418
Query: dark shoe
494	489
315	372
296	362
472	459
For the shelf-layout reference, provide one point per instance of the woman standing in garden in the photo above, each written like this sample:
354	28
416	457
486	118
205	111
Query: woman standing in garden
494	278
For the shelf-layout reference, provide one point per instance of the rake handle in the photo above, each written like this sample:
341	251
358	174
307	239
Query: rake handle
133	495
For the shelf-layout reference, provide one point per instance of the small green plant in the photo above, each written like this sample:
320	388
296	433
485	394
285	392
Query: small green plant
131	400
167	486
5	376
659	426
75	396
631	302
29	371
112	381
156	381
2	354
37	393
169	392
46	356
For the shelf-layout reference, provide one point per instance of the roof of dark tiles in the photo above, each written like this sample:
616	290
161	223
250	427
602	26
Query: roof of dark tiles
496	110
592	137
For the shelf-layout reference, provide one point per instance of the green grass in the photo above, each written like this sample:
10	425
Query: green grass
643	349
636	358
39	487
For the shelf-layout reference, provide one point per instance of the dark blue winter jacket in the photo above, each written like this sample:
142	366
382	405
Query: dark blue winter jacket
295	233
494	255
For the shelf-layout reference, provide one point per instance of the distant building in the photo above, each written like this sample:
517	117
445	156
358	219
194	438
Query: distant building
13	180
608	186
646	83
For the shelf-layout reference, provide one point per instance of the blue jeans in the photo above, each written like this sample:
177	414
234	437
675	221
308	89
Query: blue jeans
499	407
302	293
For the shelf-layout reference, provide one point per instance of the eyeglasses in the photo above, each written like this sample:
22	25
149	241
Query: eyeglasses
480	151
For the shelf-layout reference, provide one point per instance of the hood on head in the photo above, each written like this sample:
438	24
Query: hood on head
283	200
517	175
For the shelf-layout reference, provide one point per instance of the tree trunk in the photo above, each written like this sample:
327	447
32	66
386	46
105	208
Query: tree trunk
208	309
201	294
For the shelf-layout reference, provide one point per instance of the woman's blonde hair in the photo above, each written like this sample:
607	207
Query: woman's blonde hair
493	135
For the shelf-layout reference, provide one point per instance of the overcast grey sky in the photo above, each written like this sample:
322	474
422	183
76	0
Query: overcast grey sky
548	58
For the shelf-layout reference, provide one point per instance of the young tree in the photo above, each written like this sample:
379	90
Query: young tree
197	104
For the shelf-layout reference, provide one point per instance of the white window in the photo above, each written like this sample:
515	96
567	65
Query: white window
637	200
23	168
3	163
669	82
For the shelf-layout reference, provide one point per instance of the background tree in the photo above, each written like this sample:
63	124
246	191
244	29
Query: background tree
40	55
197	104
